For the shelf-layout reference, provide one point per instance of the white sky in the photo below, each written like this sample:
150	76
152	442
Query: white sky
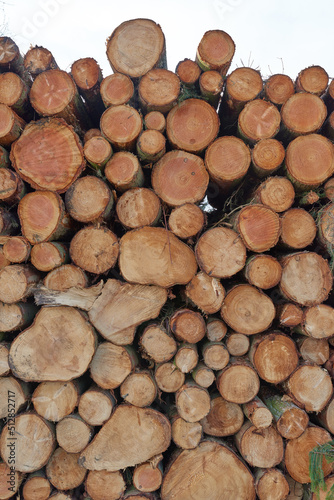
274	36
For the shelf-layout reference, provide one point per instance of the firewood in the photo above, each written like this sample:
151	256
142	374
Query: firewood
298	229
318	322
188	72
289	314
187	326
186	435
313	79
324	226
278	88
17	282
92	132
224	418
237	344
39	59
16	316
263	271
215	355
16	249
7	490
325	417
303	113
238	382
215	51
48	255
205	292
11	125
270	484
116	89
192	402
96	405
138	207
105	485
267	157
63	470
53	143
186	357
112	449
192	125
276	193
215	329
36	486
139	389
259	119
313	350
211	85
15	93
203	375
121	126
260	447
123	170
186	221
242	85
222	468
34	439
64	327
97	151
158	90
11	58
4	355
135	47
147	477
156	344
73	433
14	395
55	400
154	120
151	146
111	365
100	197
258	413
65	277
168	377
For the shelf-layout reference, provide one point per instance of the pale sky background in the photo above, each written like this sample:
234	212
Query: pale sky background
278	36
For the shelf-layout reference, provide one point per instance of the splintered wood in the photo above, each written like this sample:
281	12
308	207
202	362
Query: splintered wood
166	256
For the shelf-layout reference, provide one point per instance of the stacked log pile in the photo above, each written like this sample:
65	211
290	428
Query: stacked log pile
166	280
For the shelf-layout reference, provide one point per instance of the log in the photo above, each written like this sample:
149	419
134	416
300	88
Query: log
14	397
186	357
325	417
258	226
276	193
63	470
156	344
168	377
4	354
298	229
271	484
36	486
111	364
324	226
267	157
215	51
100	198
92	132
289	314
192	125
187	326
186	221
4	158
50	142
7	474
223	419
215	355
47	256
73	338
33	444
138	207
313	79
113	449
16	249
297	453
215	329
223	472
14	92
260	447
278	88
237	344
242	85
205	292
227	160
97	151
151	146
154	256
158	90
121	126
247	310
313	350
135	47
139	389
274	356
94	249
303	113
186	435
238	382
306	278
55	400
192	402
11	126
123	170
42	216
188	72
116	89
318	322
147	477
309	160
87	75
180	177
310	387
154	120
11	59
37	60
73	433
96	405
291	421
203	375
16	316
65	277
220	252
105	485
121	307
17	283
263	271
258	413
211	85
259	119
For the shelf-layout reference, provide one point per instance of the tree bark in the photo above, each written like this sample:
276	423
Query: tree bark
100	197
73	433
63	470
326	417
298	229
267	157
238	382
135	47
105	485
158	90
53	143
138	207
223	419
205	292
123	170
71	335
116	89
4	355
180	177
192	125
55	400
324	227
121	126
87	75
96	405
111	364
4	158
11	126
278	88
263	271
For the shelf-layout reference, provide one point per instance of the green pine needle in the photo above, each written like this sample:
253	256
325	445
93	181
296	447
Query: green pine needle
316	455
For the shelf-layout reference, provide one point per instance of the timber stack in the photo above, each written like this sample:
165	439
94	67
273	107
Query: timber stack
166	259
